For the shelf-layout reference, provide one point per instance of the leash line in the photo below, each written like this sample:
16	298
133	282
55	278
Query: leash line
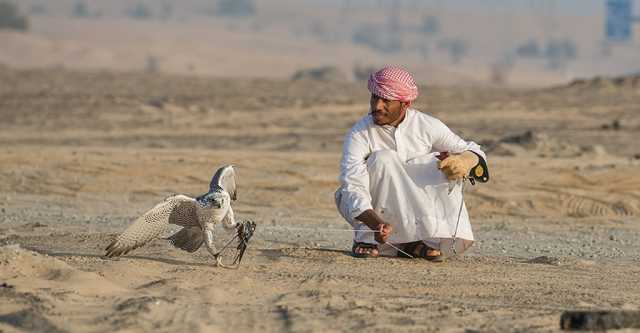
455	232
348	230
397	249
319	229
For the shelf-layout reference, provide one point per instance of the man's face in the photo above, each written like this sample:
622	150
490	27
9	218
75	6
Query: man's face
387	112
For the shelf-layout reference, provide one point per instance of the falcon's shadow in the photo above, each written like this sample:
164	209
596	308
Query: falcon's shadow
137	257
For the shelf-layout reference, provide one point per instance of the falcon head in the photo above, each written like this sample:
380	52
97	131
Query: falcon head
214	200
225	178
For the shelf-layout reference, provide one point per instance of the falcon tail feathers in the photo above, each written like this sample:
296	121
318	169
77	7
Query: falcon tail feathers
115	249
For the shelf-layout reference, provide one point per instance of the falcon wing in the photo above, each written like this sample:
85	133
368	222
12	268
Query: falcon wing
225	177
178	209
188	238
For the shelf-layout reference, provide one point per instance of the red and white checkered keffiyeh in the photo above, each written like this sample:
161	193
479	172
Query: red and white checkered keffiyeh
393	83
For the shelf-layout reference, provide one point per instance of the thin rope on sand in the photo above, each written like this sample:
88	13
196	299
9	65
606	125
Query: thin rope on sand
342	230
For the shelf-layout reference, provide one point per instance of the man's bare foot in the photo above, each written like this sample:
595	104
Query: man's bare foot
364	250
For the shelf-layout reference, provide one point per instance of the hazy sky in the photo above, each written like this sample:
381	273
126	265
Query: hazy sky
473	38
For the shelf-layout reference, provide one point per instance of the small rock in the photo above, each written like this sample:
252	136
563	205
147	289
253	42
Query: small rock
544	260
599	320
614	125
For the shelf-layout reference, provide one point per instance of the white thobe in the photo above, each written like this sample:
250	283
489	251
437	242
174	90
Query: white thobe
394	172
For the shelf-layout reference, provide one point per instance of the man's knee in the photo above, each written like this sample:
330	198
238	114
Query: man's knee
382	158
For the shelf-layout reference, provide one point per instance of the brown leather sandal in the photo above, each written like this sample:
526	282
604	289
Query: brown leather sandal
421	250
359	245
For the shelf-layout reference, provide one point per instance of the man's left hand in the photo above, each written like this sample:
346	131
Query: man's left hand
455	167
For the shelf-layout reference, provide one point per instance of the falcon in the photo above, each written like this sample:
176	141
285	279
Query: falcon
197	217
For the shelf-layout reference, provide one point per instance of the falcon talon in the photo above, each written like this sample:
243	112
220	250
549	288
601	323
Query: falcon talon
244	233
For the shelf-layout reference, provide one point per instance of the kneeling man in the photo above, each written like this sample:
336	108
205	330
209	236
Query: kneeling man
401	176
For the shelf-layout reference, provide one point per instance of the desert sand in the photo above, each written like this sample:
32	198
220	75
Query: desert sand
82	154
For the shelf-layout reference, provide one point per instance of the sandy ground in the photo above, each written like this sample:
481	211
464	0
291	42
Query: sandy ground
83	154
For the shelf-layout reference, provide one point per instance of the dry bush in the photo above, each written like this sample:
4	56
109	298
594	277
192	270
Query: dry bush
11	19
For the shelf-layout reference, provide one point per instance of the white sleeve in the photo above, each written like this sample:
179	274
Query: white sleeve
354	176
443	139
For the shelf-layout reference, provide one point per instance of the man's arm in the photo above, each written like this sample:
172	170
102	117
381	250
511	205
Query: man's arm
354	177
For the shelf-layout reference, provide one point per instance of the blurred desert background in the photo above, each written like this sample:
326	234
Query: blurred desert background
108	107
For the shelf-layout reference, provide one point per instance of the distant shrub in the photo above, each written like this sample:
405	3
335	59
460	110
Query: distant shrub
151	64
38	9
559	52
236	8
166	10
140	12
529	49
430	25
361	73
325	73
561	48
457	49
366	35
501	69
80	9
377	38
11	19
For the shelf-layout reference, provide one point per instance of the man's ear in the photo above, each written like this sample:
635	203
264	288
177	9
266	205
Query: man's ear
406	105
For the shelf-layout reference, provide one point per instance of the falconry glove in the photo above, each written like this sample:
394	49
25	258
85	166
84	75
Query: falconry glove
458	166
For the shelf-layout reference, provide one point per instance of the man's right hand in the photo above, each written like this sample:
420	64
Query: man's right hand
384	231
376	223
